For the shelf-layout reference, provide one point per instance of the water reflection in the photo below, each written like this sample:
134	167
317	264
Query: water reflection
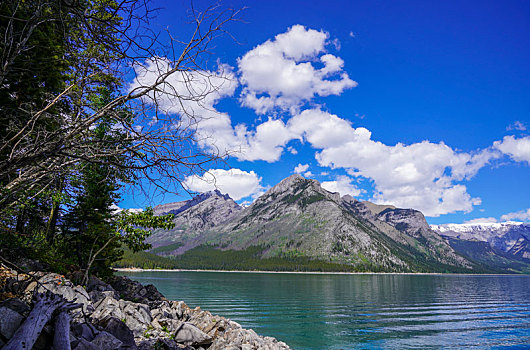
363	311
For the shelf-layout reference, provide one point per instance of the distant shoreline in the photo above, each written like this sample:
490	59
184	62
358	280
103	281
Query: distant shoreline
135	269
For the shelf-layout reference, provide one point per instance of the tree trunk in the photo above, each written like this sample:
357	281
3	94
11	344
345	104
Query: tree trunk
27	334
54	213
61	338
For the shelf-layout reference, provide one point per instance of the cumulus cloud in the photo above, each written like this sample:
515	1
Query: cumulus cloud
517	149
523	215
300	168
234	182
422	175
198	94
343	184
186	93
281	72
287	71
481	221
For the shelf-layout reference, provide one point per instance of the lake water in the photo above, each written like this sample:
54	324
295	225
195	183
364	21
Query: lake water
324	311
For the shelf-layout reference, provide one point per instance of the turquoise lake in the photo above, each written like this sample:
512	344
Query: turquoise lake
325	311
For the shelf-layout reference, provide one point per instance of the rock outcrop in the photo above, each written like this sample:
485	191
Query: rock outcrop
107	318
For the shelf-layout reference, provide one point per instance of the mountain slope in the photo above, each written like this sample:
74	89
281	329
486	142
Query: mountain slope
502	246
298	218
203	212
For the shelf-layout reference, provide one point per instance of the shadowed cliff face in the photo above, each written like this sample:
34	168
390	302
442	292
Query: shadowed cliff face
297	217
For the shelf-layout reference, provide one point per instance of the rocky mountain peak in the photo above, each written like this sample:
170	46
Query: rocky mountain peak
410	221
288	183
500	235
298	216
178	207
377	208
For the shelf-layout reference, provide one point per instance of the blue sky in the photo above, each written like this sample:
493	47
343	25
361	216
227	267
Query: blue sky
420	104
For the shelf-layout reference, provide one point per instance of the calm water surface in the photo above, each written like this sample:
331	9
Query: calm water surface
314	311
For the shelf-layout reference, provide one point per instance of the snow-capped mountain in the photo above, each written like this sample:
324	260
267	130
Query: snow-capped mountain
509	237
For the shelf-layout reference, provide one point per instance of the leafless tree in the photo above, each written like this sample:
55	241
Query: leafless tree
161	143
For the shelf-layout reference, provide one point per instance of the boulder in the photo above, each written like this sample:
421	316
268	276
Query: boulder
84	331
106	341
17	305
57	284
10	320
135	291
82	344
95	284
106	308
191	335
136	316
163	344
120	330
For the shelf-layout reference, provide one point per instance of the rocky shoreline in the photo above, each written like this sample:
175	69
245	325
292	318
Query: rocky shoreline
121	314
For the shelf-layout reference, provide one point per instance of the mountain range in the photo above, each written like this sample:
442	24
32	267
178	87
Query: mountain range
501	246
298	220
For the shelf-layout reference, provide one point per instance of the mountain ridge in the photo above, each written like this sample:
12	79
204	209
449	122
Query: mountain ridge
504	246
299	218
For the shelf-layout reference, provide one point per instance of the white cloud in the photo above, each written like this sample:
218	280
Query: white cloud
300	168
517	149
292	150
235	182
517	125
422	175
190	94
343	185
214	130
280	72
116	209
523	215
481	221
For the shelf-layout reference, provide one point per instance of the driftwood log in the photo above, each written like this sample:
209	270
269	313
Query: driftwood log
61	337
44	308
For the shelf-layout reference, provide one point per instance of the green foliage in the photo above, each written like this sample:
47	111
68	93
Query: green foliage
132	227
210	258
166	249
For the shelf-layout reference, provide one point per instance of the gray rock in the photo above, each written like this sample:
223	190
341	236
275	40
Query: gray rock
136	316
106	341
95	284
10	320
162	344
191	335
84	331
83	344
135	291
120	330
107	307
57	284
16	305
